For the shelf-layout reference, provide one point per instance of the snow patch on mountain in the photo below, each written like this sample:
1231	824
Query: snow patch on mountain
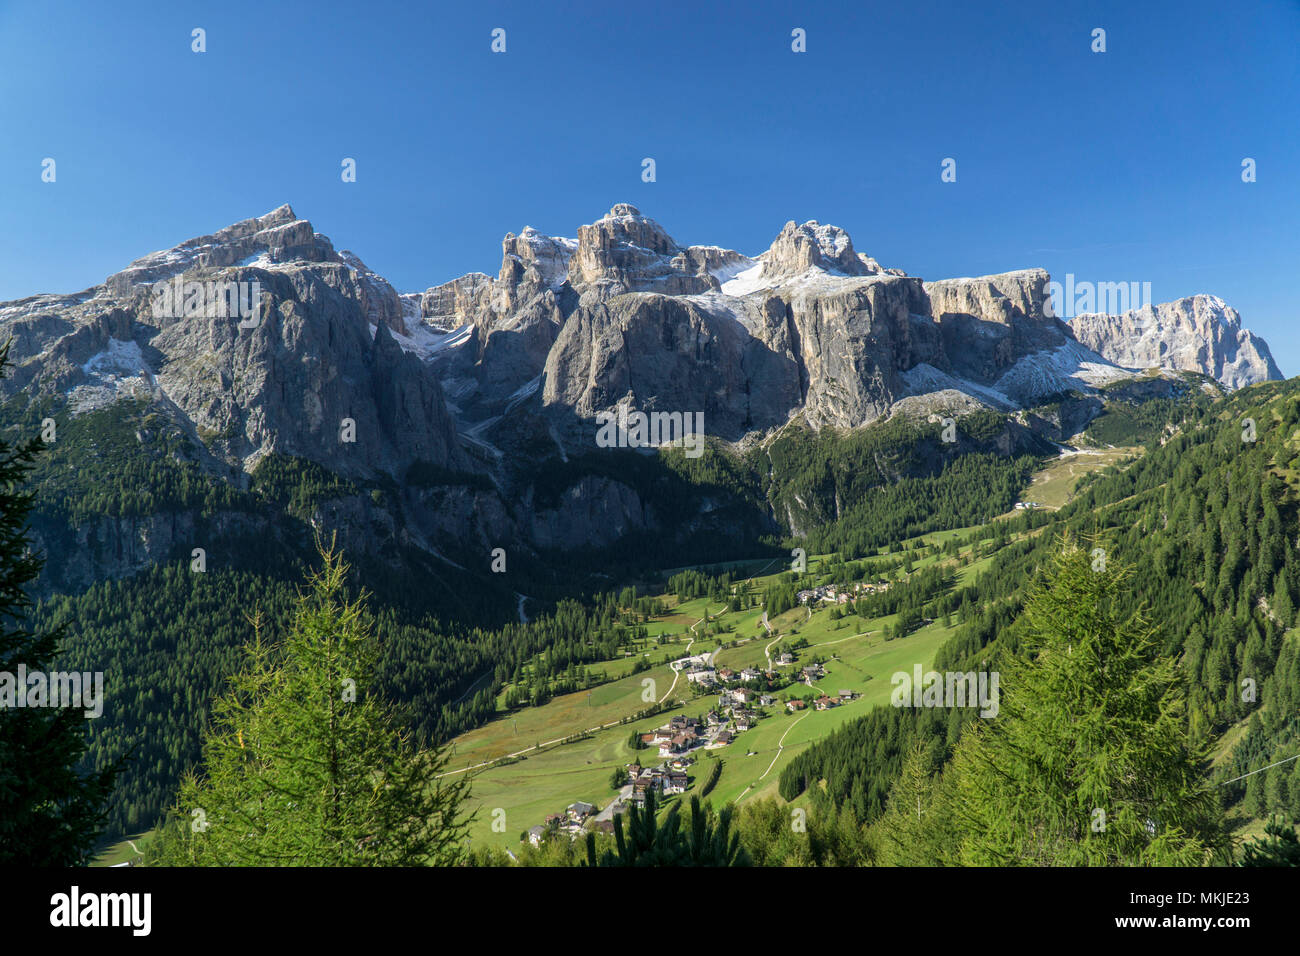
115	373
120	359
1069	367
924	379
744	280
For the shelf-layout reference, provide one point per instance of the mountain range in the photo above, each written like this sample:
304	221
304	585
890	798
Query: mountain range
478	380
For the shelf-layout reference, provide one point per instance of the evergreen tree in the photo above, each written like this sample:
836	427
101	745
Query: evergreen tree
915	829
708	840
1280	846
305	765
51	809
1088	761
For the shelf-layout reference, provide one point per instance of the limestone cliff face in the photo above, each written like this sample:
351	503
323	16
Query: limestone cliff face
854	340
1200	333
627	252
988	323
810	327
813	245
659	352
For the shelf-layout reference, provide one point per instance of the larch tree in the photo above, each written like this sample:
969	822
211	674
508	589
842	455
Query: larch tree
306	765
1088	761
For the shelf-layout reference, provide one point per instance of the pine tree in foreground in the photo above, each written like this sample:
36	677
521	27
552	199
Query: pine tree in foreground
916	827
1088	762
1278	847
50	809
709	840
305	765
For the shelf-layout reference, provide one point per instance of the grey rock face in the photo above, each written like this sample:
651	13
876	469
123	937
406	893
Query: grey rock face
453	304
988	323
531	263
815	328
1200	333
594	512
854	340
665	353
277	237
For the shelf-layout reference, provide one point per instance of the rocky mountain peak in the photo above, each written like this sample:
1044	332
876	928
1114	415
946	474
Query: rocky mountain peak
627	252
278	237
1198	333
623	210
536	259
815	245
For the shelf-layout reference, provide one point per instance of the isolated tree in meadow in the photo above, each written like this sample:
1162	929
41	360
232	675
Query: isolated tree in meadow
1088	761
51	809
305	765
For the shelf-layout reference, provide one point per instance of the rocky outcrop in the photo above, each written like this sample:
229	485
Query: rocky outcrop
278	237
625	251
592	513
1200	333
989	323
813	245
665	353
854	338
453	304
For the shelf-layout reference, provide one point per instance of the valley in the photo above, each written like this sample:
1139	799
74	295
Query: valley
925	443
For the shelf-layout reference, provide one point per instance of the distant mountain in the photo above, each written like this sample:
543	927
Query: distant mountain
1200	333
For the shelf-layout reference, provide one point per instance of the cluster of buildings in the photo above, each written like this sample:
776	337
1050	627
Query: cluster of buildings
680	735
706	676
570	823
666	779
811	674
837	594
675	740
824	702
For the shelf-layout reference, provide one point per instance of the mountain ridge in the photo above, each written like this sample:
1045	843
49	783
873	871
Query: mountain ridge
810	329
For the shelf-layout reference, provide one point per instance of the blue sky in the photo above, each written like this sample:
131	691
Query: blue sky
1120	166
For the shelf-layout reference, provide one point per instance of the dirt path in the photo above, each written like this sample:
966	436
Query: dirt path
780	746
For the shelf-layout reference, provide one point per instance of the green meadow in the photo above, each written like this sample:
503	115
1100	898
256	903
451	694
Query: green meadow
512	796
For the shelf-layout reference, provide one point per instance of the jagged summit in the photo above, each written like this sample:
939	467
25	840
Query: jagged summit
814	245
280	236
622	210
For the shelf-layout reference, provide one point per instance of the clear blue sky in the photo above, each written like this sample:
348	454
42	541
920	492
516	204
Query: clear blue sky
1122	166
